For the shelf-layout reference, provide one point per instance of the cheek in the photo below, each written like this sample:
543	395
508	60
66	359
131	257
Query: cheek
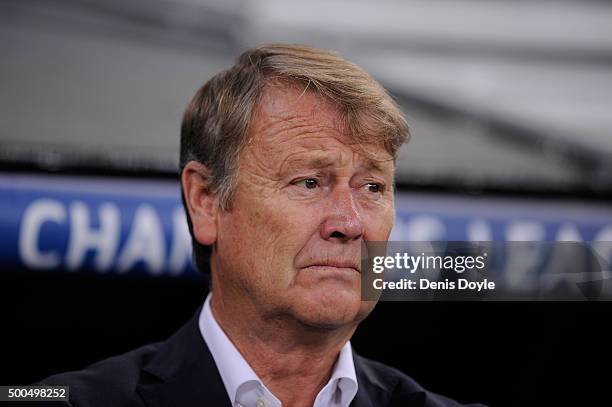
283	231
378	224
265	239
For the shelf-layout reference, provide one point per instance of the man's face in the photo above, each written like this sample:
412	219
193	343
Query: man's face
306	199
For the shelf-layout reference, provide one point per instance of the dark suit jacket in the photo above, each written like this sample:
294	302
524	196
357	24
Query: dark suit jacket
181	372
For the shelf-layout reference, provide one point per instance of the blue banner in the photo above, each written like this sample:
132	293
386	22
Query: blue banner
137	226
101	225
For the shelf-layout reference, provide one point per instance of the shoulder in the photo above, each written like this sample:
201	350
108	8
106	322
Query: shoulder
109	382
390	386
165	373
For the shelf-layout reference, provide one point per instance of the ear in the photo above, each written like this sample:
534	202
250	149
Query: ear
201	204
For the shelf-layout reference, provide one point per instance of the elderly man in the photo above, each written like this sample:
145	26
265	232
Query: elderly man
287	165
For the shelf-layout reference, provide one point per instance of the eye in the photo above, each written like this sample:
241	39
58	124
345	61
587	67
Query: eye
374	187
309	183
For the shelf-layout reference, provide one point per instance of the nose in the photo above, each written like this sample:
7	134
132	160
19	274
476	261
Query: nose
343	222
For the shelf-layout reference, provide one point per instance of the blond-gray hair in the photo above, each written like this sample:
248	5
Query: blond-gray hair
216	122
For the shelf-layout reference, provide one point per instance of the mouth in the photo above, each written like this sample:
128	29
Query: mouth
340	266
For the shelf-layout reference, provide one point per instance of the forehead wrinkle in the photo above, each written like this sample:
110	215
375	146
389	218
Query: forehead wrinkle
270	121
312	150
280	131
277	126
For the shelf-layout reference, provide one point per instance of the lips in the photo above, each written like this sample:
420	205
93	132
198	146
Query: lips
338	264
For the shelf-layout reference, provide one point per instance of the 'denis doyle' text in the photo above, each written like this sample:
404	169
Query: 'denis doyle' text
425	284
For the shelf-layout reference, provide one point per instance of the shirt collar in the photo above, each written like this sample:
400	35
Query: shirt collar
237	374
342	386
233	368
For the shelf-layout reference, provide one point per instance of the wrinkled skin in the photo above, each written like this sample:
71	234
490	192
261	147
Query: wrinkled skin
306	198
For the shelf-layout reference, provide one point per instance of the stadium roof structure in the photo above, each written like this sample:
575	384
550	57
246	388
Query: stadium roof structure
501	95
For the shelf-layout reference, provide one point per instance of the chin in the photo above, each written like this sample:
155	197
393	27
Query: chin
331	309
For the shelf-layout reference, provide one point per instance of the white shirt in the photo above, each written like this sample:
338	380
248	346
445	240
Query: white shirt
245	389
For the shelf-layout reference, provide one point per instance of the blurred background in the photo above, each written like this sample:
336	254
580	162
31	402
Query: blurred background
510	107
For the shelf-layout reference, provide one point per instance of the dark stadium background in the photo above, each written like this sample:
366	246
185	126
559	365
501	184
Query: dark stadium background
509	104
502	354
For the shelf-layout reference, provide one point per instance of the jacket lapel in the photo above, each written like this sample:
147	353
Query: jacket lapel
183	373
376	391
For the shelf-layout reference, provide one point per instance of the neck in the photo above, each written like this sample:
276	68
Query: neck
293	360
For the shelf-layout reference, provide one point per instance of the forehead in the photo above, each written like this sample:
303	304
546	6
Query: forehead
293	121
289	107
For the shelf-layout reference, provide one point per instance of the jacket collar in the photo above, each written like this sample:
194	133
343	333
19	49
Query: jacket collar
183	373
383	386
